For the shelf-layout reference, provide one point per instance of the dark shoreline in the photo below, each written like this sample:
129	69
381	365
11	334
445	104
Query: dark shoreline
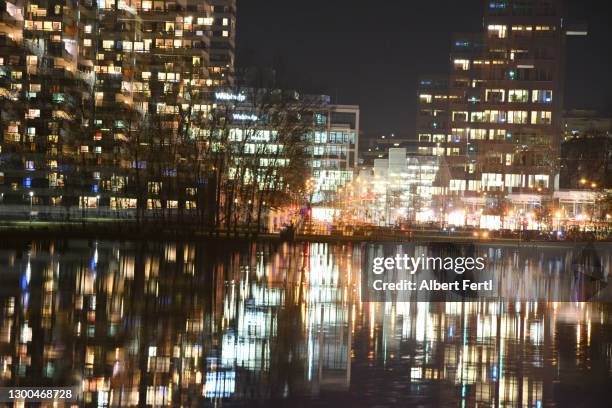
129	231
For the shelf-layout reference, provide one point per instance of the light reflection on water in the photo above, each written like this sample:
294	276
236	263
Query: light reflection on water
186	324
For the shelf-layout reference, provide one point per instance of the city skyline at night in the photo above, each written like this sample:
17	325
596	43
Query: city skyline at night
372	56
241	203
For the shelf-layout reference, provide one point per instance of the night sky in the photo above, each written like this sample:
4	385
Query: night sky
371	53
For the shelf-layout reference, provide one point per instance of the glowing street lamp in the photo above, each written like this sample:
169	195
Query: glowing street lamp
31	194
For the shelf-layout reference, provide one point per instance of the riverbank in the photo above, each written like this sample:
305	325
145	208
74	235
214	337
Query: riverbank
444	237
124	230
131	231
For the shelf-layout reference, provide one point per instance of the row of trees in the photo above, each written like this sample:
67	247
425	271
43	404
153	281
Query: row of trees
233	162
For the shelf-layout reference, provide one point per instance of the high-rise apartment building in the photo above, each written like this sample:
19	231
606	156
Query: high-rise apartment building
504	101
85	86
432	118
223	41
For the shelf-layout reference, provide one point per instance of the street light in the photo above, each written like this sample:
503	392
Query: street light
31	194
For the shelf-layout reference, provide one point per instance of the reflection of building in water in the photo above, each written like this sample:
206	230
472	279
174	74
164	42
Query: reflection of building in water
124	326
184	324
327	315
479	347
288	316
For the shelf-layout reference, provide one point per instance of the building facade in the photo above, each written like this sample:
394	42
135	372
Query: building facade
396	189
86	87
500	127
335	150
329	132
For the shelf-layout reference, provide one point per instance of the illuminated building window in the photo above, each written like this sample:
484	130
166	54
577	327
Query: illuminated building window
525	29
498	5
476	117
541	96
452	151
474	185
478	134
457	135
495	95
541	118
424	98
518	117
320	119
205	20
494	116
518	95
462	64
491	180
154	187
33	114
153	204
512	180
497	134
497	31
460	116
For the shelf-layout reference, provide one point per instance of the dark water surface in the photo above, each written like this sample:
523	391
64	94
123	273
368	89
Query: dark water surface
175	324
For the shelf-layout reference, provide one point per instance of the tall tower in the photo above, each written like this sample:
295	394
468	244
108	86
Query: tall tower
516	96
504	102
223	42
